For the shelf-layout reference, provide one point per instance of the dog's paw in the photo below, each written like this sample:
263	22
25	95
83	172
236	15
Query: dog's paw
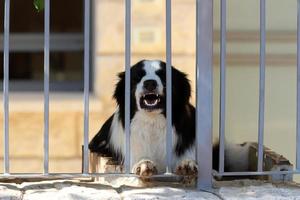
187	168
145	168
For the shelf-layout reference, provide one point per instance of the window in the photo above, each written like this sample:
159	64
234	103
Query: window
27	45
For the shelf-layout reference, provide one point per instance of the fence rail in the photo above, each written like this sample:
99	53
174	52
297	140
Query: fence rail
204	81
46	84
298	88
204	93
6	85
86	85
127	83
261	112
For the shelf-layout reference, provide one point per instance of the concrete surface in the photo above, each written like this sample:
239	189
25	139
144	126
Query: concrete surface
76	190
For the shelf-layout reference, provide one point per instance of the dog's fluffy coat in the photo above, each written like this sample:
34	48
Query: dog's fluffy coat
148	124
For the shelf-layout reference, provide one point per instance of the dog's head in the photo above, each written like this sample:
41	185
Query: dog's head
148	88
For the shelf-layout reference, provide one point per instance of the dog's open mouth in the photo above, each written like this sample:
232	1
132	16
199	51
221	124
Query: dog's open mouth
150	101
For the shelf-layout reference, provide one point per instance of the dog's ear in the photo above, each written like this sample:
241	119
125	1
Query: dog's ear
181	88
119	95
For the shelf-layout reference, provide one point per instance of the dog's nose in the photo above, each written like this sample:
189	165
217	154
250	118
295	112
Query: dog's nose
150	85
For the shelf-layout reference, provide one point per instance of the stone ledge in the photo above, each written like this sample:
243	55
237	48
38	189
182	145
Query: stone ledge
71	190
59	102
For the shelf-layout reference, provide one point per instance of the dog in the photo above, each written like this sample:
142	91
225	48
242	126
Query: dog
148	125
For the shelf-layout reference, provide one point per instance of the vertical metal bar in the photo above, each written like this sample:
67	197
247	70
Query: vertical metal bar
222	86
127	83
6	85
261	85
298	88
46	84
204	80
86	85
169	139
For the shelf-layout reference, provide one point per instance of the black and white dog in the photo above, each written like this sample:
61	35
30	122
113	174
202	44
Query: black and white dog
148	124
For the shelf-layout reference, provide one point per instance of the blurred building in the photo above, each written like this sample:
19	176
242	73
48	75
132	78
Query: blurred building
148	42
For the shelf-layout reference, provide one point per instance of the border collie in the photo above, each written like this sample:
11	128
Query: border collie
148	125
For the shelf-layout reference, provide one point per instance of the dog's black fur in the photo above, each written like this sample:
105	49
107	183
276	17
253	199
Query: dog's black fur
183	113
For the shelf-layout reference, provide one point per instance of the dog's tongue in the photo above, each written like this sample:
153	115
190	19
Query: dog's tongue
151	101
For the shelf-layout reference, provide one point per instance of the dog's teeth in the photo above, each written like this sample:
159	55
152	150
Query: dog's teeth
151	104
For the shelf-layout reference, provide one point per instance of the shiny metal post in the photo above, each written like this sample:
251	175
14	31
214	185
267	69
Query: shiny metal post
6	85
222	86
46	84
298	88
204	80
261	85
86	85
127	83
169	139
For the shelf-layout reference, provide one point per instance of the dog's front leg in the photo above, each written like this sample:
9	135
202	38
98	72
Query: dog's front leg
144	168
186	167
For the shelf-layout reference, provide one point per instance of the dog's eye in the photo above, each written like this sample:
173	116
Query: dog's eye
161	74
138	76
141	73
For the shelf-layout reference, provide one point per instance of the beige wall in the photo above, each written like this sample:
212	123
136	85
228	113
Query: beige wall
66	131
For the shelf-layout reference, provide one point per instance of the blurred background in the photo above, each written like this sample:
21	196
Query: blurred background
148	42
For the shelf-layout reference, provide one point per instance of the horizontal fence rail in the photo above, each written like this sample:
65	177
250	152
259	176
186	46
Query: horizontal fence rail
204	95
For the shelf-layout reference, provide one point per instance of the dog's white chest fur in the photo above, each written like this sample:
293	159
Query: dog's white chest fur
148	138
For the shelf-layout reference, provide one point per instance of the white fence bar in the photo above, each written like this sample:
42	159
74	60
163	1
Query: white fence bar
261	85
204	80
46	84
169	139
86	85
222	86
6	85
298	88
127	83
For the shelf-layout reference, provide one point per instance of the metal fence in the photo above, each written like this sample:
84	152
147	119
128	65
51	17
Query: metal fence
204	101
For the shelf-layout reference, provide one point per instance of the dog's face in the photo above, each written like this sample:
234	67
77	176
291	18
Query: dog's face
148	87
